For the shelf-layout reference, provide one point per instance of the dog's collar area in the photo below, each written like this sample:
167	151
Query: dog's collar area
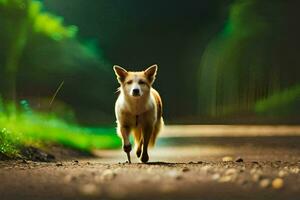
136	120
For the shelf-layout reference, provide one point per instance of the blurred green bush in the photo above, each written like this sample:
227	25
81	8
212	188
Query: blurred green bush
29	128
282	103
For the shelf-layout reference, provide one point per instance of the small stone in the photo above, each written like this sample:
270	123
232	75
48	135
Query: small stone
206	169
282	173
295	170
215	177
191	162
227	159
239	159
89	190
255	171
59	164
200	162
231	171
256	177
76	161
277	183
264	183
185	169
225	179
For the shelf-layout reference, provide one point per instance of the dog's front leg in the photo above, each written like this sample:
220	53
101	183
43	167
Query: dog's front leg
125	131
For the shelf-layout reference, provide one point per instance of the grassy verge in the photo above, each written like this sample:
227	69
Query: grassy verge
282	103
24	128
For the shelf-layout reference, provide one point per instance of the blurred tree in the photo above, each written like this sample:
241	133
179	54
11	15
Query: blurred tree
253	58
19	19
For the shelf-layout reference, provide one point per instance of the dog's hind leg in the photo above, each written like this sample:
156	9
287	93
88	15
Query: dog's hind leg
139	148
138	141
147	132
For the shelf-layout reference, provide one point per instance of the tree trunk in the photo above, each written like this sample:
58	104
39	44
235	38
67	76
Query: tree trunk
14	54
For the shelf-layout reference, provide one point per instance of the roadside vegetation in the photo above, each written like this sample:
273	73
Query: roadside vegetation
25	127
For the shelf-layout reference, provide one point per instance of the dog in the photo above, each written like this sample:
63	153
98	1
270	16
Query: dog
138	110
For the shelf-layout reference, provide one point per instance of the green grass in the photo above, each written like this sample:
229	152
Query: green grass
282	103
23	128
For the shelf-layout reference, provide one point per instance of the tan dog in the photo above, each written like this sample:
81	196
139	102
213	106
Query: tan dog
138	109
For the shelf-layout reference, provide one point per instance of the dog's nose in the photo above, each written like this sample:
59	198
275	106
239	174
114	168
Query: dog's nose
135	92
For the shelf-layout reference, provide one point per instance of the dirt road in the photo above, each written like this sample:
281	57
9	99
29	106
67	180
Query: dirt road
180	168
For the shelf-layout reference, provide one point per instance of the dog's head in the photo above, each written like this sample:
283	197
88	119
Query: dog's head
136	84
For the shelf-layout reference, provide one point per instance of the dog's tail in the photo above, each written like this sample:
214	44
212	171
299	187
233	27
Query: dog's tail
160	122
158	126
137	137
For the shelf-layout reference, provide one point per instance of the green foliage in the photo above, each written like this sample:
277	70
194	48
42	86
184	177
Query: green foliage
244	20
8	144
40	21
30	128
282	103
49	24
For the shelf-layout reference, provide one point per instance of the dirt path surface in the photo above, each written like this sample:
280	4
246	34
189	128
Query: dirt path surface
179	168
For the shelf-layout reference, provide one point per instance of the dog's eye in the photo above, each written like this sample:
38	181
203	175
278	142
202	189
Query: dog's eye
142	82
129	82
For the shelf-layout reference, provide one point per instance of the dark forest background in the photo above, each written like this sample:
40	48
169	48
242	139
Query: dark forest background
219	61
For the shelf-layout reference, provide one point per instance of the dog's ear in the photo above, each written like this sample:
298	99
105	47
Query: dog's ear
150	73
120	73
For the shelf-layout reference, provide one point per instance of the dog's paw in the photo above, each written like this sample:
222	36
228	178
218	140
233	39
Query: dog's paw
127	148
138	153
145	158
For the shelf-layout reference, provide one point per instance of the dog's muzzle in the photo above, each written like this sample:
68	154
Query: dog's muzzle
136	92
